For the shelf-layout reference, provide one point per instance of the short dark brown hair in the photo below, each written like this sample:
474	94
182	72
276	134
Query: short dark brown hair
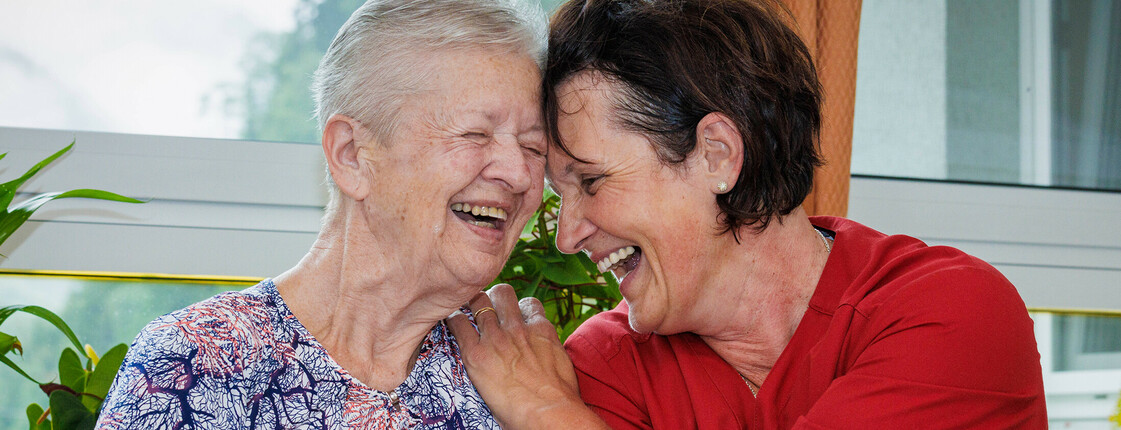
679	60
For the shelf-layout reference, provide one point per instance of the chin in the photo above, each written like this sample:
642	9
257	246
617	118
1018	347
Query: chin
636	324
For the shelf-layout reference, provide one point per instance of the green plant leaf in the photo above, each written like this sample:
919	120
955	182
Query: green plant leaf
70	371
45	314
552	256
9	343
102	377
548	194
527	231
13	218
531	288
34	412
8	189
67	412
570	272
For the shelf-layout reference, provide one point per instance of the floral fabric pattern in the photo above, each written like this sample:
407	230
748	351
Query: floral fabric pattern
241	360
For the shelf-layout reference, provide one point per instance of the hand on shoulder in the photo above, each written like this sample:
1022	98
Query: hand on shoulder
518	365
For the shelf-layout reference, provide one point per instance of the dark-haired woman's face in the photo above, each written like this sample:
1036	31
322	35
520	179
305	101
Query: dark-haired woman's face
650	225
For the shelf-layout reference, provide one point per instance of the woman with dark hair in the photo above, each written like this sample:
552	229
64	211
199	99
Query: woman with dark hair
683	141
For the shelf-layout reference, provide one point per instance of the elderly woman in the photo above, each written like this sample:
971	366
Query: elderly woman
683	137
434	141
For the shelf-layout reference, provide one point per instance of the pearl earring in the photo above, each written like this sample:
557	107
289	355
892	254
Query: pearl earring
722	187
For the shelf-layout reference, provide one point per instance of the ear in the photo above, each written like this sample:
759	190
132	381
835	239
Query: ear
343	137
720	147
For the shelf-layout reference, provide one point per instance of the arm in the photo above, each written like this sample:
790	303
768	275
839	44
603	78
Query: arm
517	363
952	349
150	384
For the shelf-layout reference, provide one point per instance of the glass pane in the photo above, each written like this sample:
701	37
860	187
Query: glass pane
234	70
1087	342
102	313
135	66
1000	91
1086	60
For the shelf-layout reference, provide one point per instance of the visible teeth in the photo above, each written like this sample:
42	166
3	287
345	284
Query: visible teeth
483	224
614	258
480	210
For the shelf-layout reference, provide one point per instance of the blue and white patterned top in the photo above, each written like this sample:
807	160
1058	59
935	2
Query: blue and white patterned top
241	360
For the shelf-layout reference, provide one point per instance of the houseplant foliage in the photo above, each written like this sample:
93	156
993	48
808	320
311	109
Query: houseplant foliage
83	378
569	285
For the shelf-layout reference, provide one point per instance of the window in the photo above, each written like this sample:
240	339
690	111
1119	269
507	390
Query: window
1087	342
135	66
230	70
1081	360
1003	91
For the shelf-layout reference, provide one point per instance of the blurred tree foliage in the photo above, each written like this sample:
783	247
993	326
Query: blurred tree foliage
277	94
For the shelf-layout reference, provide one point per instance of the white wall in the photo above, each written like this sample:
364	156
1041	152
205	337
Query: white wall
217	207
1059	247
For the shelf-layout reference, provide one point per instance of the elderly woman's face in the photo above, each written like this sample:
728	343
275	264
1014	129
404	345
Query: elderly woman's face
464	169
624	199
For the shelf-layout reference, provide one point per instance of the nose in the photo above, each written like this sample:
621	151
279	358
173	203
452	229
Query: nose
573	229
508	164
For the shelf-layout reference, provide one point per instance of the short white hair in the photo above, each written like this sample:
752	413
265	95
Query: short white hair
378	57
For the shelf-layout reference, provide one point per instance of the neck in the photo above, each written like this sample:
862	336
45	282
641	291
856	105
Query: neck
368	313
764	295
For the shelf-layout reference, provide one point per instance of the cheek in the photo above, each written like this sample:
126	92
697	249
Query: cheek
458	170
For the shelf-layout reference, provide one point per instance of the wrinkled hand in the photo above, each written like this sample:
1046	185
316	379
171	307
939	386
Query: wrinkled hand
517	363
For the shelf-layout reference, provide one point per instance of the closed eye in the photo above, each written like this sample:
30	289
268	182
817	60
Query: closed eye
590	184
534	150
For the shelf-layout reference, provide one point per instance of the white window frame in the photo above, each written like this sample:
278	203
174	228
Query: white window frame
1035	92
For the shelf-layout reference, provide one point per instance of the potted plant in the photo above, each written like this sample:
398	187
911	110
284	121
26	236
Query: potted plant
83	378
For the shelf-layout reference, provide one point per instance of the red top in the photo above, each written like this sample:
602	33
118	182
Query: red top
897	335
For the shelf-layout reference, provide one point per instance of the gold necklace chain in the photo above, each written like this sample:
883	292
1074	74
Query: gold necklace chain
825	239
750	386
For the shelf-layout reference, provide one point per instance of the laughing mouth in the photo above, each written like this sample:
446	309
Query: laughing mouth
621	262
482	216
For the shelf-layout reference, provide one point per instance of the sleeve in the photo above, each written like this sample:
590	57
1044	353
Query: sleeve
952	349
604	388
152	383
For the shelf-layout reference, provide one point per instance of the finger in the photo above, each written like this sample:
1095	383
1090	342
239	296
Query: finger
505	302
531	308
533	312
483	312
461	328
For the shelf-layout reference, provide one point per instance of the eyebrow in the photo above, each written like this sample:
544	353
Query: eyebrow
572	166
